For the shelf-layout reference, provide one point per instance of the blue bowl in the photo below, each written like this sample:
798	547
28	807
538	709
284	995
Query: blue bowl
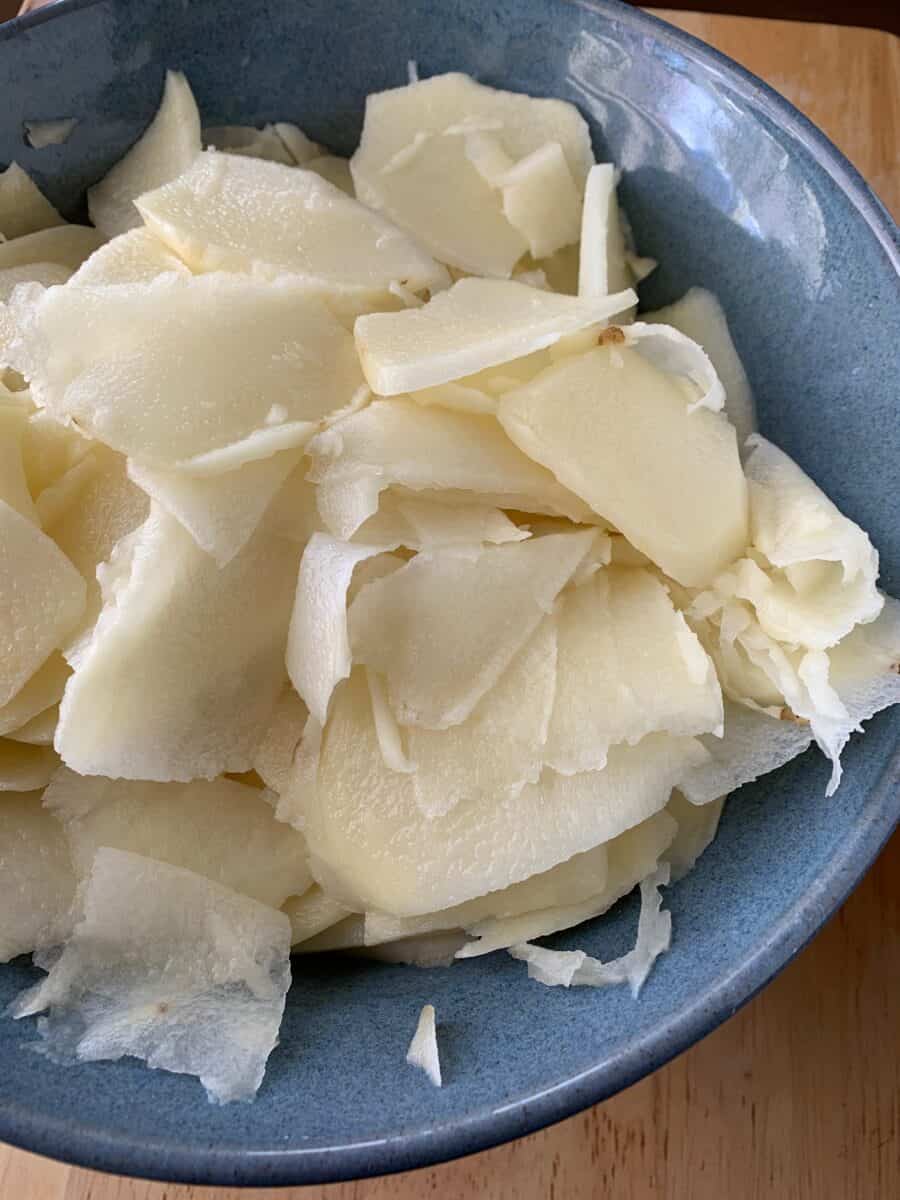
729	187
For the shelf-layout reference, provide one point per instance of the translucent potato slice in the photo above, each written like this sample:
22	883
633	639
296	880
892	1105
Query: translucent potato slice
13	483
36	879
372	848
337	172
423	1049
476	324
170	967
618	432
252	143
396	442
23	207
165	149
678	355
443	629
274	757
133	257
46	274
697	828
318	650
312	914
42	597
412	163
95	507
826	567
175	683
498	749
239	214
699	315
43	690
542	201
630	857
754	743
425	524
220	829
128	363
62	246
49	450
220	512
39	730
629	665
24	768
602	267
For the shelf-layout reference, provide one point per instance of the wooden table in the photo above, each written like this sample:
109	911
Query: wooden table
798	1096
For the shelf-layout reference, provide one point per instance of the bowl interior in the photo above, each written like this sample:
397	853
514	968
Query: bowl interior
729	189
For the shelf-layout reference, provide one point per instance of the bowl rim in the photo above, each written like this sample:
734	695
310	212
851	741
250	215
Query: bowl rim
153	1158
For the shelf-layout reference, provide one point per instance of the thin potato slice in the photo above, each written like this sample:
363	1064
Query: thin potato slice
312	913
444	628
42	597
46	274
39	730
23	207
423	1049
274	757
628	665
43	690
395	442
175	682
133	257
62	246
36	880
542	201
618	432
698	825
167	147
129	362
167	966
372	848
602	267
240	214
220	829
678	355
413	164
477	324
25	768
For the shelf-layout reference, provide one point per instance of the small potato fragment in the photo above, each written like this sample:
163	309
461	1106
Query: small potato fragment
443	629
13	483
165	149
697	828
42	597
618	432
476	324
542	201
274	757
312	913
220	829
423	1049
23	207
602	265
36	880
25	768
172	968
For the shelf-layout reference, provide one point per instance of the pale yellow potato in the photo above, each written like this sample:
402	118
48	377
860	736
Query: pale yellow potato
43	690
42	597
618	433
241	214
25	768
39	730
312	914
274	756
542	200
697	828
476	324
602	266
444	628
133	257
412	164
24	208
250	142
13	483
62	246
165	149
336	170
36	879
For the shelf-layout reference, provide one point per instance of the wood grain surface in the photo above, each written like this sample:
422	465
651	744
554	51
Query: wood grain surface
798	1096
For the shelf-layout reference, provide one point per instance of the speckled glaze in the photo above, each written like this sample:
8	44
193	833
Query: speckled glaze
730	188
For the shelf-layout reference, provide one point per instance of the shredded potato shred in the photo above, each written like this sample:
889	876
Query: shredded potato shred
374	578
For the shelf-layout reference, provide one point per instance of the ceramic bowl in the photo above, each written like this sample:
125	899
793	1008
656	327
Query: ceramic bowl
729	187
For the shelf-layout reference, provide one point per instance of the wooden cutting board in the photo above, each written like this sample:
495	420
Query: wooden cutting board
798	1096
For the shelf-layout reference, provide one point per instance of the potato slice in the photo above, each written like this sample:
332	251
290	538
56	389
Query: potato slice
133	257
274	757
95	506
62	246
240	214
220	512
43	690
629	665
542	201
698	825
23	207
372	848
25	768
426	524
46	274
602	267
220	829
128	363
49	449
825	567
318	650
312	913
477	324
337	171
443	629
13	483
412	164
36	880
498	749
175	683
423	1049
395	442
619	433
165	149
39	730
699	315
42	597
301	148
167	966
